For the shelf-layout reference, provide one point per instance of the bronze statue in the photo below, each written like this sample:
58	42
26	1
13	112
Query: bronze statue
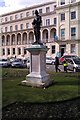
37	25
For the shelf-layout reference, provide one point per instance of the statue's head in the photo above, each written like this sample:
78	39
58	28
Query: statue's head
36	12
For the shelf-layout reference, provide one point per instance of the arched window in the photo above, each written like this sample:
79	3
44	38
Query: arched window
8	40
31	37
18	39
24	38
3	40
13	40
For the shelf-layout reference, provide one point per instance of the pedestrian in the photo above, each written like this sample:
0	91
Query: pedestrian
57	64
65	64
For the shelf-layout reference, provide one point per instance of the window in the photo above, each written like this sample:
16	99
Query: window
8	51
63	33
47	21
13	51
73	48
1	30
73	31
6	19
33	12
40	10
3	51
16	27
21	26
47	9
21	15
1	20
25	51
19	51
3	40
16	17
10	28
62	2
53	49
27	14
54	7
62	16
27	25
11	18
73	15
47	35
5	29
54	21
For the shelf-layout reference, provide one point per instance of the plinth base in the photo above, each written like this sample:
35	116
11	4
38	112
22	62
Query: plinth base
37	81
38	76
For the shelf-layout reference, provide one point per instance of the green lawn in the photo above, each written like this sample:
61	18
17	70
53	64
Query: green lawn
66	86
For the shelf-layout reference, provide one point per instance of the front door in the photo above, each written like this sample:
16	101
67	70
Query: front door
62	51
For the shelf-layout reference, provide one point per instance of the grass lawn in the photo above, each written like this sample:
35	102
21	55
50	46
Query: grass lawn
66	86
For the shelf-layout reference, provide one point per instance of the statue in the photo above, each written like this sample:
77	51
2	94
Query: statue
37	25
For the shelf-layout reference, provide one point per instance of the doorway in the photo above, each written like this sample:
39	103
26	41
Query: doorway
62	49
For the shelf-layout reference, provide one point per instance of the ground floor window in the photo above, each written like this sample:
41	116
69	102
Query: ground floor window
19	51
13	51
25	51
8	51
73	48
53	49
3	51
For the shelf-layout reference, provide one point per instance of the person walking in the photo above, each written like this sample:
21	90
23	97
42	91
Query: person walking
57	64
65	64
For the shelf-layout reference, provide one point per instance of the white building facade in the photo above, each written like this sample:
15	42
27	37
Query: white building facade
60	29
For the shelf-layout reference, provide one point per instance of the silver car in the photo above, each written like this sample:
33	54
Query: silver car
5	63
73	64
50	60
18	63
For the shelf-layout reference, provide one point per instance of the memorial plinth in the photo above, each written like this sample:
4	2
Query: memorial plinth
38	76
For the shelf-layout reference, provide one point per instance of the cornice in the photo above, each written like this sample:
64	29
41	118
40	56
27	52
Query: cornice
68	5
27	8
68	41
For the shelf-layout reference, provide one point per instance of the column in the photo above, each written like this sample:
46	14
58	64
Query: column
11	52
28	38
41	37
15	39
48	35
22	51
10	39
21	40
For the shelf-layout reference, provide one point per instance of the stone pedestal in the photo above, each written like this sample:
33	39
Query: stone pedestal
38	76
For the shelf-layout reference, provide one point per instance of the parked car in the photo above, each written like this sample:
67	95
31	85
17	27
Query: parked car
50	60
66	57
18	63
73	64
27	62
5	63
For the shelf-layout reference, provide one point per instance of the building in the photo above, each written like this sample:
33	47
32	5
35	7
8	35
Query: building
59	31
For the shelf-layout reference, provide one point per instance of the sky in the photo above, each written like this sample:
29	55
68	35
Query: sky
7	6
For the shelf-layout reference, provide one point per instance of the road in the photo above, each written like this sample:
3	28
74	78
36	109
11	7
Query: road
52	67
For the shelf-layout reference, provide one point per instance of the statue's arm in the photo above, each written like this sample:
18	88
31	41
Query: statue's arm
33	23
